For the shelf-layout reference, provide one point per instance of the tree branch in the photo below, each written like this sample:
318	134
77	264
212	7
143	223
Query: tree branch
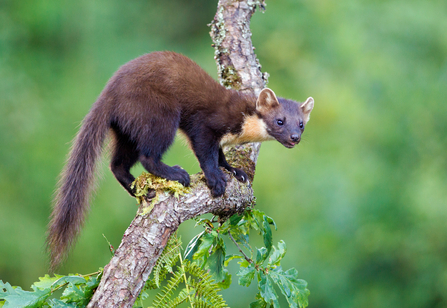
147	235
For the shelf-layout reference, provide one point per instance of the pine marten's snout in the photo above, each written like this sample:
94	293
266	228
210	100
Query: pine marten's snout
295	138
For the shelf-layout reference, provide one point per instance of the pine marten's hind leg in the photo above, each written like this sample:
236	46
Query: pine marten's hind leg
125	155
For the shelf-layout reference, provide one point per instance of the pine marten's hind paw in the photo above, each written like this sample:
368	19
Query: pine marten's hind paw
239	174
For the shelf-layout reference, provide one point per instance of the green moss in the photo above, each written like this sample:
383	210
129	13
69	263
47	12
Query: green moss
230	78
148	183
198	177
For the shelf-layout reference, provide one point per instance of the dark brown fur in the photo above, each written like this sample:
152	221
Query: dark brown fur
143	105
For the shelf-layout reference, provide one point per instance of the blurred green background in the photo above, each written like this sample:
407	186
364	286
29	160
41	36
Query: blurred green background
361	202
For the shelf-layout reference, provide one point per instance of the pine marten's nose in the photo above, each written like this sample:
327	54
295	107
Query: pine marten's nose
295	137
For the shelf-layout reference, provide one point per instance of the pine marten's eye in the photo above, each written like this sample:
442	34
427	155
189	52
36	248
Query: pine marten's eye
301	124
280	122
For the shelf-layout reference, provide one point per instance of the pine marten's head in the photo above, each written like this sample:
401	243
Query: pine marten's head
284	119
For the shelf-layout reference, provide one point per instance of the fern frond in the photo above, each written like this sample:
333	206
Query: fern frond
200	289
162	298
172	255
206	288
165	262
200	303
179	299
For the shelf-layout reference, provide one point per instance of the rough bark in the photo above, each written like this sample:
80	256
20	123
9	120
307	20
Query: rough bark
147	235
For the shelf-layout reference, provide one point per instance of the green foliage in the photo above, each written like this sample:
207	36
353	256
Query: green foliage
16	297
206	252
194	279
209	251
77	292
199	289
166	261
189	282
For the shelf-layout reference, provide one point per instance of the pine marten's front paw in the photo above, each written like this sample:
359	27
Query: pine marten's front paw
181	176
217	183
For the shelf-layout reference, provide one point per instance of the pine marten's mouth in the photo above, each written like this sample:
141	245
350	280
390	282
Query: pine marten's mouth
289	144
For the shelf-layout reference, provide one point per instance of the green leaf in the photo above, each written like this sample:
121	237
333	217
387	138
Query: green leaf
90	287
277	254
46	281
243	226
251	219
261	255
263	225
226	282
294	289
18	298
266	289
246	275
271	221
72	294
57	303
79	289
267	234
73	279
202	253
244	263
230	224
192	246
77	293
230	258
215	261
258	217
235	219
259	303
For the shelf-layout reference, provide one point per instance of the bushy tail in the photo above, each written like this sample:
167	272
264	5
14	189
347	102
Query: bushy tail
75	184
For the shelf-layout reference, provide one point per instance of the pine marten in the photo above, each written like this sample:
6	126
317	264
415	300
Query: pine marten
143	105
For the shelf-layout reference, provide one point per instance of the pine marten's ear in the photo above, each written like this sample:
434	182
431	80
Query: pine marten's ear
307	107
266	100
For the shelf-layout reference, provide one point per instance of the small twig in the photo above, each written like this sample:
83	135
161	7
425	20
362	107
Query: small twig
92	274
240	249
